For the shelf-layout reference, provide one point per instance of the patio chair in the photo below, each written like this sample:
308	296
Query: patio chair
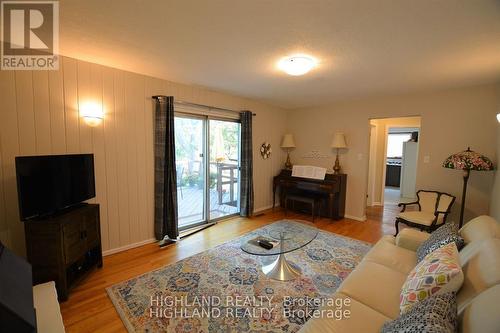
223	179
433	209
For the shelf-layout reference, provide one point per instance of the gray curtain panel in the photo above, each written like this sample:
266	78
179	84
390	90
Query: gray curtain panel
246	172
165	173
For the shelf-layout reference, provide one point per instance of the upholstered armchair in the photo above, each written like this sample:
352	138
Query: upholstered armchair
433	209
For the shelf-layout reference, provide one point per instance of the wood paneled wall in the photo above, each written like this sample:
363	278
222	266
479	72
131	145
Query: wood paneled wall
39	114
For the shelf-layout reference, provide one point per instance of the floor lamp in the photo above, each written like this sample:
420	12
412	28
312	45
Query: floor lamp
467	161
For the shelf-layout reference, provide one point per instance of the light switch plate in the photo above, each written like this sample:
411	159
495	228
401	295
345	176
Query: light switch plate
427	159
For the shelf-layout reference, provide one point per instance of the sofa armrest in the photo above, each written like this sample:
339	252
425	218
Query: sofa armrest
411	239
48	313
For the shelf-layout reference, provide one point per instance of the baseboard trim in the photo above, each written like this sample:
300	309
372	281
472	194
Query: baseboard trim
347	216
261	209
128	247
356	218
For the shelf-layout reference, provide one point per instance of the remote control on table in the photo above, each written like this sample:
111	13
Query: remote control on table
265	244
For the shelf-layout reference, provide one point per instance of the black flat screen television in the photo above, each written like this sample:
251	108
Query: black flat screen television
49	184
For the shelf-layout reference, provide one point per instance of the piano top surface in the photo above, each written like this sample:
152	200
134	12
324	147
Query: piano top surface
328	177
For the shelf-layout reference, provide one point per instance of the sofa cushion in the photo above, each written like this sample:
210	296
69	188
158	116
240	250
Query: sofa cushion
437	313
438	272
375	285
361	319
387	253
481	266
482	315
411	239
445	234
479	228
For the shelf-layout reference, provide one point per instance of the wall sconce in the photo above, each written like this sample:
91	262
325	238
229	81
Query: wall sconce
498	117
92	113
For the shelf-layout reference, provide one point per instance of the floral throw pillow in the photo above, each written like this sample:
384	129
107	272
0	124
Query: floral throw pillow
445	234
439	272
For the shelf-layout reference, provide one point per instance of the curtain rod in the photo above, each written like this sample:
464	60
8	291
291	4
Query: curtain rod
200	105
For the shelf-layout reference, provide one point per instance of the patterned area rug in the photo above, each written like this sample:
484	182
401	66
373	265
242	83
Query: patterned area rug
224	290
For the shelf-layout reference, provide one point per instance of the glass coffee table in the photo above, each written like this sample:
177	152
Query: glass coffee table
286	236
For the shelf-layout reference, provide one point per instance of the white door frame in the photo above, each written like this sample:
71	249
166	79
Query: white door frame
372	165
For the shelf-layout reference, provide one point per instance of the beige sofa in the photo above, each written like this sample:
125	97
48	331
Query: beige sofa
375	285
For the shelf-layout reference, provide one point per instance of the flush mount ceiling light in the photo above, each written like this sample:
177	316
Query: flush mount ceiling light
297	65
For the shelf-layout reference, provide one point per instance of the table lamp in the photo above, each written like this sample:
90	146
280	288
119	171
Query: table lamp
288	143
467	161
338	142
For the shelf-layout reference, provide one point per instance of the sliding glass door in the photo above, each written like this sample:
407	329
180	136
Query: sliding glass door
224	168
207	164
190	167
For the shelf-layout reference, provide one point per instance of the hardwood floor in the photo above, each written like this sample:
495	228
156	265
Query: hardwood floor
89	309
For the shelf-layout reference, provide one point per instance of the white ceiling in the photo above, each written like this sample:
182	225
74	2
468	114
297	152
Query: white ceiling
365	47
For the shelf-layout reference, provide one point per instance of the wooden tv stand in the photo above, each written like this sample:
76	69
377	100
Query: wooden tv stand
64	247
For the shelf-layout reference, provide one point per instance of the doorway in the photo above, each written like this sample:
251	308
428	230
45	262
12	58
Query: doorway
207	164
393	160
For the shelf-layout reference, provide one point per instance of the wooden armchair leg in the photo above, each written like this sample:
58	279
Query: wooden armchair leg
396	224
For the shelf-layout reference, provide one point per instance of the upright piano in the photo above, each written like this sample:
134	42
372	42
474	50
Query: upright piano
333	188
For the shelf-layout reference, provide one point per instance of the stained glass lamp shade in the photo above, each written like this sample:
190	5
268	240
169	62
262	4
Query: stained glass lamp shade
467	161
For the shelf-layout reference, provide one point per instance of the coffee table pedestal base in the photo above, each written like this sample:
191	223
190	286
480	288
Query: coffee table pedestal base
281	269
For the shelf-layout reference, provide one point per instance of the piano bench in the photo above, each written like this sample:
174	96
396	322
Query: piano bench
314	201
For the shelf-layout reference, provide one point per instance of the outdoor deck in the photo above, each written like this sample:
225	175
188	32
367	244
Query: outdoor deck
190	203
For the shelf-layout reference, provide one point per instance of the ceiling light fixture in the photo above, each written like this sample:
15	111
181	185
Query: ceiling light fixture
297	65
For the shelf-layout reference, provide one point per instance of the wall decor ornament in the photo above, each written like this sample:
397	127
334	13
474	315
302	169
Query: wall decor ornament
315	154
265	150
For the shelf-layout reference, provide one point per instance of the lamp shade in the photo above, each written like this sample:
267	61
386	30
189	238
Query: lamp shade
288	141
468	160
339	141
